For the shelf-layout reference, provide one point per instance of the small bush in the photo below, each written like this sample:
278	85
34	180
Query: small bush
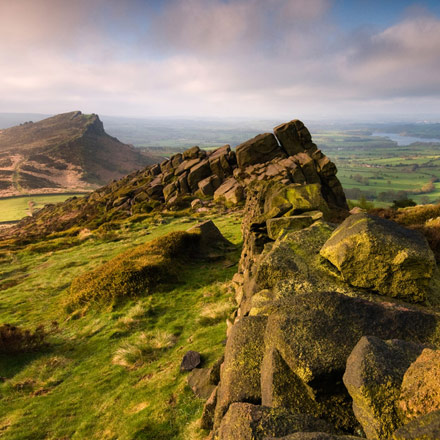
135	272
145	348
16	340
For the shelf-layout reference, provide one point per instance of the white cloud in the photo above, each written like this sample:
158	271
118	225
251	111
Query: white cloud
210	57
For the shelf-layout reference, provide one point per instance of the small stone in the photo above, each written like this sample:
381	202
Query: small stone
190	361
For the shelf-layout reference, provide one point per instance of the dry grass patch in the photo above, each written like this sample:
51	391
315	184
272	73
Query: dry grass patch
145	348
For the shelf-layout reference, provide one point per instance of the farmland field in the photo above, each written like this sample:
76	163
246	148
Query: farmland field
15	208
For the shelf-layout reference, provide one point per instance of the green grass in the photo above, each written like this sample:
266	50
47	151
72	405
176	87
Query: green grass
76	389
15	208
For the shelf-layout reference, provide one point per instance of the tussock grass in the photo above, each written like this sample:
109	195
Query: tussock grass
143	349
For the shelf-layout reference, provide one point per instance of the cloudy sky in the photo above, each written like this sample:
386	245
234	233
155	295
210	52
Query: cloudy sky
215	58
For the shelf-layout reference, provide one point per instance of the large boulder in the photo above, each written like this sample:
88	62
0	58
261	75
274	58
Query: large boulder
289	138
373	377
244	421
420	391
240	373
378	254
423	428
314	333
260	149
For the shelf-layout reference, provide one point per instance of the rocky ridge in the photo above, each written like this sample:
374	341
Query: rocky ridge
287	156
337	330
66	152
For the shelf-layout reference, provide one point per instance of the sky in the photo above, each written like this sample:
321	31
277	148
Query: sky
309	59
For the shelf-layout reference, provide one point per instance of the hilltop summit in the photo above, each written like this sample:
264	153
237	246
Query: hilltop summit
66	152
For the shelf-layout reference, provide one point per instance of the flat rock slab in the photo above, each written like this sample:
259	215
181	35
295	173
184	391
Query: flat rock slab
374	253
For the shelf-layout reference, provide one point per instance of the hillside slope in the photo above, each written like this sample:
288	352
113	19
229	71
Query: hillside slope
67	152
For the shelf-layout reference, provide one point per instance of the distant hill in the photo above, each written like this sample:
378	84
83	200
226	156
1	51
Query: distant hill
66	152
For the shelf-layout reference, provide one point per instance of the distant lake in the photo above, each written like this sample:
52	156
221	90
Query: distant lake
405	140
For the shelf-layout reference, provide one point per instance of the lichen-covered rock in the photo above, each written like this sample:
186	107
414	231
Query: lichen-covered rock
378	254
373	377
314	333
277	226
423	428
302	198
261	148
244	421
420	391
240	373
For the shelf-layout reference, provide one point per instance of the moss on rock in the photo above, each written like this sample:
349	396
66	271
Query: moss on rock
374	253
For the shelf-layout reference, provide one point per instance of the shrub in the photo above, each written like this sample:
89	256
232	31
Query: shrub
134	272
16	340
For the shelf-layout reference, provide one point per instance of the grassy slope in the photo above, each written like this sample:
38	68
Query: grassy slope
16	208
73	390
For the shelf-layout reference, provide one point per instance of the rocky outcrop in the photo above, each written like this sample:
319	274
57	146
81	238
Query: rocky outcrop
326	345
223	175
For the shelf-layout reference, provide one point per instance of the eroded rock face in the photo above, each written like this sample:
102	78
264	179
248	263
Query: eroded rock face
252	422
373	377
420	392
378	254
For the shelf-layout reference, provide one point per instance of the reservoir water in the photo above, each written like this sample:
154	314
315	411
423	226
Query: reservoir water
405	140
